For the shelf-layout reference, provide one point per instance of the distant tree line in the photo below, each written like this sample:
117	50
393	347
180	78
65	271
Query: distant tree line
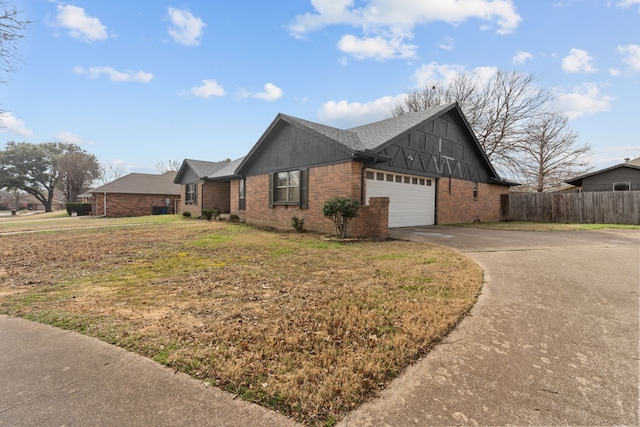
42	169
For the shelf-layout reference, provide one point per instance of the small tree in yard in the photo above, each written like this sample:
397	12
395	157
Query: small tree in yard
341	210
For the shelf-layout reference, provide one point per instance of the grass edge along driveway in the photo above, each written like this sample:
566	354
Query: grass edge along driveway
290	321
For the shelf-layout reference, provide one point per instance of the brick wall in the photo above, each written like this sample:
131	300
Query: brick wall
121	204
215	195
455	202
211	195
325	182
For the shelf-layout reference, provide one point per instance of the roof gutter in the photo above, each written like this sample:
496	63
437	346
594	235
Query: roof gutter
370	155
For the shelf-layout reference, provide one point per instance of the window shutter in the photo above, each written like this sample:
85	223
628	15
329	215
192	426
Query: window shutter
272	178
195	193
304	189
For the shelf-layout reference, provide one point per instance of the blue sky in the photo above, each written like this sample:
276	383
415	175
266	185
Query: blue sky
141	82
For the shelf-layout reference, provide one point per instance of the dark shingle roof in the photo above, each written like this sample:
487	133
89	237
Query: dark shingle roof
203	168
227	171
142	183
373	135
344	137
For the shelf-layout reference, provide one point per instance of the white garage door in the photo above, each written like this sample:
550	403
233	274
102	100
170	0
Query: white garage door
411	198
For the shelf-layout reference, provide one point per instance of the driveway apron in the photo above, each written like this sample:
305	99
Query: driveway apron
553	339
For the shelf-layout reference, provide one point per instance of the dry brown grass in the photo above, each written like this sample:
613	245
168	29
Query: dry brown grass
307	327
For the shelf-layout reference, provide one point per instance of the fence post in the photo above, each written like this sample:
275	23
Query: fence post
504	207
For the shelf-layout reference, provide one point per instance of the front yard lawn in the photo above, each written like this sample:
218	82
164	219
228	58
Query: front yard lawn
290	321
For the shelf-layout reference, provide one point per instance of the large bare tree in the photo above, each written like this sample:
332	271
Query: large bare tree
498	109
549	153
11	30
171	165
77	170
108	174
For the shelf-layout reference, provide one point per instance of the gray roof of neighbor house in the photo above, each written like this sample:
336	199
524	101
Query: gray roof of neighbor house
577	181
201	168
142	183
227	172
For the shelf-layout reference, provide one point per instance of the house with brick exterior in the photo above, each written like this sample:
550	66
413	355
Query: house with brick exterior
205	185
421	168
137	194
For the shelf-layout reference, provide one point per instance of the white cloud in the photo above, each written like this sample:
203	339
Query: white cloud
578	61
521	57
12	124
80	25
614	72
395	20
446	43
377	48
271	93
115	75
71	138
583	100
445	73
346	114
628	3
186	29
208	89
631	55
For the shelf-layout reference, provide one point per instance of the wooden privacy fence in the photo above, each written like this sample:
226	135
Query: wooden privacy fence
601	207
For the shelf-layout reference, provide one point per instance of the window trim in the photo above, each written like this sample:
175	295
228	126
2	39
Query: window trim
242	194
193	200
627	184
296	188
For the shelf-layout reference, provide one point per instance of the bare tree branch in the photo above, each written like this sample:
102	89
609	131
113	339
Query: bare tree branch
549	152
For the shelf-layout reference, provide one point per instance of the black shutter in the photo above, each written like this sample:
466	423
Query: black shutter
304	189
272	177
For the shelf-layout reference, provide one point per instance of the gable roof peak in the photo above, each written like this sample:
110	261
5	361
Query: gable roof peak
375	134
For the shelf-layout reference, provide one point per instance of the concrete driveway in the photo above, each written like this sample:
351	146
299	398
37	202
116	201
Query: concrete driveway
553	339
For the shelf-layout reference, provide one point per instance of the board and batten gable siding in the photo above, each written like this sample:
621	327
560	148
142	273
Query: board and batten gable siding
440	147
287	147
190	176
604	181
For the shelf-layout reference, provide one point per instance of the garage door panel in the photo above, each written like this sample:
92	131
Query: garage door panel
409	204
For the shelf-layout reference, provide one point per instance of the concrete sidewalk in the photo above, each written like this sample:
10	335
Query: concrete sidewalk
53	377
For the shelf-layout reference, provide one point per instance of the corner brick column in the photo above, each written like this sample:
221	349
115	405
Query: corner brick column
378	221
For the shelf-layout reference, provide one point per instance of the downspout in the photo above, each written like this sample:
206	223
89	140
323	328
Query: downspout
362	185
204	182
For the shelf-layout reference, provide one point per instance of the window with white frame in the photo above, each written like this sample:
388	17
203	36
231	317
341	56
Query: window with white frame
242	195
621	186
287	187
191	194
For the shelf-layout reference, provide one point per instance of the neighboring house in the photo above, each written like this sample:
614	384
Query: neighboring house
622	177
417	169
201	186
137	194
29	202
